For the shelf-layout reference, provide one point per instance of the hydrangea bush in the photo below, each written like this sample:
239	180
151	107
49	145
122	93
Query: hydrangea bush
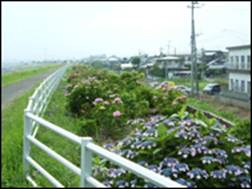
194	152
106	100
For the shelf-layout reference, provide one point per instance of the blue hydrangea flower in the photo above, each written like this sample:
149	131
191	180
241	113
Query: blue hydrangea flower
168	172
136	145
108	183
220	153
157	118
133	183
113	172
247	165
185	182
169	123
181	167
154	168
207	160
121	184
143	163
149	124
150	132
231	138
169	162
245	181
199	148
234	170
149	185
129	153
108	146
185	152
148	145
220	174
208	139
125	142
197	173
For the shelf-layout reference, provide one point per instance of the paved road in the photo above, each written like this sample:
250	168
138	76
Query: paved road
9	93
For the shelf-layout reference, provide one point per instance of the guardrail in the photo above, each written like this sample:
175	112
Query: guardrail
33	120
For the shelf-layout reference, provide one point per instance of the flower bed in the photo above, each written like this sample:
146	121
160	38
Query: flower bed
189	148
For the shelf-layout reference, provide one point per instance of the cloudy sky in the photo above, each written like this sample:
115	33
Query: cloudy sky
63	30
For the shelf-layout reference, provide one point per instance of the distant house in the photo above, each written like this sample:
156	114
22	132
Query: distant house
172	65
239	69
126	66
113	62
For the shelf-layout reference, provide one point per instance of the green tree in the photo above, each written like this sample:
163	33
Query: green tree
136	61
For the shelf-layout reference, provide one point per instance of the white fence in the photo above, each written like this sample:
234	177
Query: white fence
32	121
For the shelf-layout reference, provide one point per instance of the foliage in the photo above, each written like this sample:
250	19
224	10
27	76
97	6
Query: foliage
242	130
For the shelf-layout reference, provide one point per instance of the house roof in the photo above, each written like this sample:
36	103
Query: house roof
238	47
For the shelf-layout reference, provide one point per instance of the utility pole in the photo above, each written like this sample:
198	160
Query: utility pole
194	67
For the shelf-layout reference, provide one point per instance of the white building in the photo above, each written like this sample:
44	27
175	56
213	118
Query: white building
239	69
173	65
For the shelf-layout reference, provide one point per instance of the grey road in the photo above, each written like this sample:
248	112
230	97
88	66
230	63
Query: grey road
9	93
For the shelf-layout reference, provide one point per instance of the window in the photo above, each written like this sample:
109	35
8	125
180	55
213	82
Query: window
231	84
248	62
231	61
242	62
237	62
249	88
242	86
236	85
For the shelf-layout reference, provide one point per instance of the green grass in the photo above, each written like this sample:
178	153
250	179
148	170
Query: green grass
230	113
12	77
12	142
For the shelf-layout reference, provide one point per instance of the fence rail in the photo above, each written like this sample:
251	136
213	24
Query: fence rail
33	120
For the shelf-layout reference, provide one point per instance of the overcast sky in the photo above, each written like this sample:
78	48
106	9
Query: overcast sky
63	30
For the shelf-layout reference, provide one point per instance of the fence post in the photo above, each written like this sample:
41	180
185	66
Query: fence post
86	161
26	143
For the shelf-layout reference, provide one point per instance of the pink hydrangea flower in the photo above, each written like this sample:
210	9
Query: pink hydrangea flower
117	114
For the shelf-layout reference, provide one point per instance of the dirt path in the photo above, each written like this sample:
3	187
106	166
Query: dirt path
9	93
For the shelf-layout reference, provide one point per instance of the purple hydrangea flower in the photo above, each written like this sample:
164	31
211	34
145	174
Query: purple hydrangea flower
97	100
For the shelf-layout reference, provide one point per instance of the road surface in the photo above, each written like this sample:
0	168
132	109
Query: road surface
10	92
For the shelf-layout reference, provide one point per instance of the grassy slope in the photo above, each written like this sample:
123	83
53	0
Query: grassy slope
12	142
15	76
230	113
